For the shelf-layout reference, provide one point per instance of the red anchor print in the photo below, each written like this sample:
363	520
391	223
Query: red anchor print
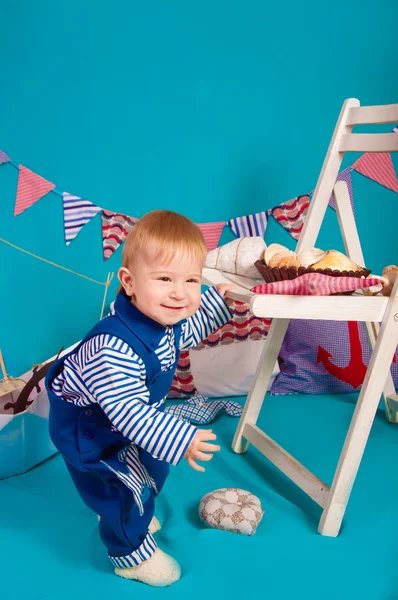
354	373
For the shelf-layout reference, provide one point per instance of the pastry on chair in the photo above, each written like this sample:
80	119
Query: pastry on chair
310	256
337	262
272	250
284	259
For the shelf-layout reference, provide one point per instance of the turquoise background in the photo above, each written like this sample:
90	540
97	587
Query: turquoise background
213	109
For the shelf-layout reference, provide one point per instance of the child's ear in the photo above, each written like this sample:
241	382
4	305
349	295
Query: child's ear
126	280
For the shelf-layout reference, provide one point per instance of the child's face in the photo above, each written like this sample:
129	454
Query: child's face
164	291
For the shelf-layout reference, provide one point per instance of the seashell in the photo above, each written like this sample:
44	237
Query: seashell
286	258
273	249
336	261
389	274
310	256
238	256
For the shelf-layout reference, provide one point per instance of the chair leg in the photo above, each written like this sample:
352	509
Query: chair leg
361	424
261	381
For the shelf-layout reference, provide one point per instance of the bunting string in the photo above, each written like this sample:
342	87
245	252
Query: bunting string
106	283
291	215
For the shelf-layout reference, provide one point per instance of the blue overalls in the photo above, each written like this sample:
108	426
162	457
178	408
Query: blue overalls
116	479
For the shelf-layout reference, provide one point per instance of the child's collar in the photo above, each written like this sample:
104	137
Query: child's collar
150	332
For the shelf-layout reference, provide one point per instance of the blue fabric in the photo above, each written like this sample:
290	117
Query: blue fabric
93	449
122	527
199	410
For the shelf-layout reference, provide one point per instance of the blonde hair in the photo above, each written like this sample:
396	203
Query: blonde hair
164	233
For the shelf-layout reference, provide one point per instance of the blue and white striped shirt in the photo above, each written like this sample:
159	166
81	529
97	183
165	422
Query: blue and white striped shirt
107	371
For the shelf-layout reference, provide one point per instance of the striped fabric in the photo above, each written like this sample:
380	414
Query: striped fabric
344	176
115	228
291	214
378	166
315	284
4	158
31	188
137	476
200	410
212	233
212	314
107	371
251	225
139	555
77	213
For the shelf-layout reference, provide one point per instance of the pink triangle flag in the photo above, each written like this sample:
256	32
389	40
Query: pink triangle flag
31	188
115	229
4	158
291	214
344	176
212	233
378	166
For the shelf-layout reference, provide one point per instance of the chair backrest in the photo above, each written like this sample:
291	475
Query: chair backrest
343	140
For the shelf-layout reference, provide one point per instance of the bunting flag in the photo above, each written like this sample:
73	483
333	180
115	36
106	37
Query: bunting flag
212	233
378	166
4	158
31	188
291	214
115	228
250	226
77	212
344	176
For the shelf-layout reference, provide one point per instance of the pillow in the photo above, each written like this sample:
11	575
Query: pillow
231	509
224	364
324	357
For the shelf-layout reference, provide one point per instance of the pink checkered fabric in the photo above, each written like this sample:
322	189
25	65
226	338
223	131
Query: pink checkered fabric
315	284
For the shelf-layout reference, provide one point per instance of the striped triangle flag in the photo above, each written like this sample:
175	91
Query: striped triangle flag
249	226
378	167
31	188
77	213
115	229
344	176
4	158
212	233
291	214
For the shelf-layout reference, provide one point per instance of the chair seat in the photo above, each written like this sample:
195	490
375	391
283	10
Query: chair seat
356	307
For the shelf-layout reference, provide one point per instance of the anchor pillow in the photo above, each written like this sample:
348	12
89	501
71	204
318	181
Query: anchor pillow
324	357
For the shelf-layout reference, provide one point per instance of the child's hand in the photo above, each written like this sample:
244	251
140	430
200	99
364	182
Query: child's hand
223	288
198	447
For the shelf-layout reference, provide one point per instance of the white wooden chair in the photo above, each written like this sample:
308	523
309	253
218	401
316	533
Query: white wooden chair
358	307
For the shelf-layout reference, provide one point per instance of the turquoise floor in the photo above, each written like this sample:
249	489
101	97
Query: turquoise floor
50	548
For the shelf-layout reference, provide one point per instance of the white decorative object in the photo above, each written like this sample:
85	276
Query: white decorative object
228	369
231	509
238	256
310	256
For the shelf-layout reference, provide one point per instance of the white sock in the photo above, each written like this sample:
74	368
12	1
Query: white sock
154	525
159	571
